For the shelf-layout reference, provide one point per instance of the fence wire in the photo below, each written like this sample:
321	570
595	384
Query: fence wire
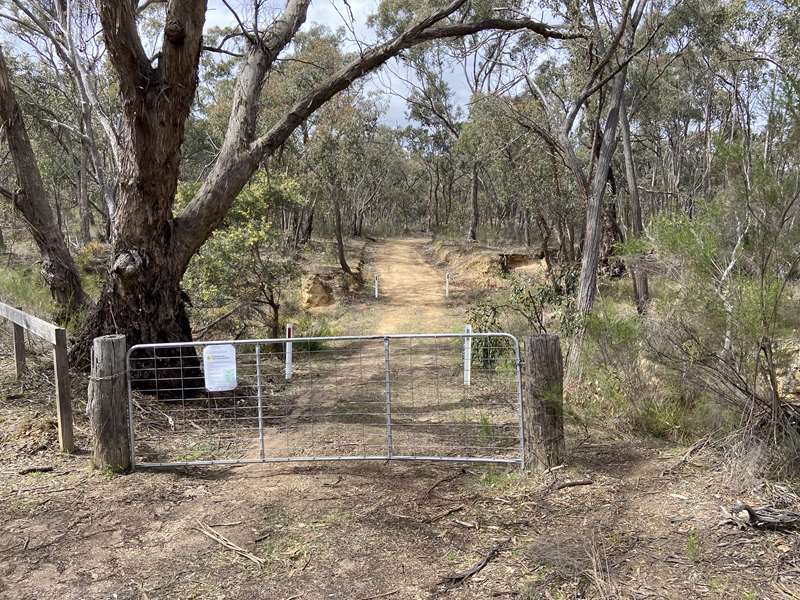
399	397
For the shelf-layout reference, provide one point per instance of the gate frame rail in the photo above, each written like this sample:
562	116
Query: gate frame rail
389	456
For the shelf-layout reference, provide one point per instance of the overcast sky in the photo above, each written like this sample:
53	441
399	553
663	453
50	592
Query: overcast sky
334	15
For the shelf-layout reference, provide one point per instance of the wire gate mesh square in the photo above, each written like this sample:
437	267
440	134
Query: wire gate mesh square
348	398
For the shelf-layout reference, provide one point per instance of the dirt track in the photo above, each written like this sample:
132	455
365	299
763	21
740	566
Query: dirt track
412	298
356	531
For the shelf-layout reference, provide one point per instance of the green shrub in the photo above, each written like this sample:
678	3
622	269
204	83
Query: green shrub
660	418
307	326
25	289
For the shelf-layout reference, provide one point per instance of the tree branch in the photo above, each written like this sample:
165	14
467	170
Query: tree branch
422	32
463	29
220	50
282	30
183	32
146	4
599	67
124	45
236	163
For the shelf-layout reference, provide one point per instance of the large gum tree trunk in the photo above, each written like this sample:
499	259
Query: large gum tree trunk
142	296
587	283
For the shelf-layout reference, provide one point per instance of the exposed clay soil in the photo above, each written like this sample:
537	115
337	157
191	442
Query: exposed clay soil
642	529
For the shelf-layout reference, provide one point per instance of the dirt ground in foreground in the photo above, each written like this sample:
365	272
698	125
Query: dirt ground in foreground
643	524
358	531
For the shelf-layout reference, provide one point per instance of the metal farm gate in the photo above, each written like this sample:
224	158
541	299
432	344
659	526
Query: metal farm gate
434	397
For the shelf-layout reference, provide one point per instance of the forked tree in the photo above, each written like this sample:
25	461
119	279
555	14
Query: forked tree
151	245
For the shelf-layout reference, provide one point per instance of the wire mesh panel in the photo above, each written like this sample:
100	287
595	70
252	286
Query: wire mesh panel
402	397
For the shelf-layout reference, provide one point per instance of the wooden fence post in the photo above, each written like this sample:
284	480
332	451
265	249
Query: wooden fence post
63	392
108	404
19	349
57	337
543	419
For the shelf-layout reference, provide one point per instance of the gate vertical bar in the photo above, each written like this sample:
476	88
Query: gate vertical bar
388	375
258	393
520	404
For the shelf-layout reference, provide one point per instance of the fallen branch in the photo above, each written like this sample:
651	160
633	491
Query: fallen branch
452	581
443	514
572	483
762	517
465	524
223	541
553	469
383	595
443	480
40	469
694	449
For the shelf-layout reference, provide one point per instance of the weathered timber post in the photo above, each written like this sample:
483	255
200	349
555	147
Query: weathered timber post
543	405
19	349
108	404
63	392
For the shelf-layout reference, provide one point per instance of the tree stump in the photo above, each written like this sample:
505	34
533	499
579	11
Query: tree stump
108	405
543	404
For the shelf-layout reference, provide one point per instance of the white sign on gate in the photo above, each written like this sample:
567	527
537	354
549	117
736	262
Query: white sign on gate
219	368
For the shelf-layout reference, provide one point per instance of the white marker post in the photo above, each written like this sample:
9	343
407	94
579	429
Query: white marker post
468	356
376	287
289	336
447	284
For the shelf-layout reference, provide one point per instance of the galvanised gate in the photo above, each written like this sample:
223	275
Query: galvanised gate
433	397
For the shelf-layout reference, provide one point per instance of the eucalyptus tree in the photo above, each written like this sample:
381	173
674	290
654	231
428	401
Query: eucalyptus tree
430	100
437	127
338	154
31	200
151	245
63	34
523	175
590	98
